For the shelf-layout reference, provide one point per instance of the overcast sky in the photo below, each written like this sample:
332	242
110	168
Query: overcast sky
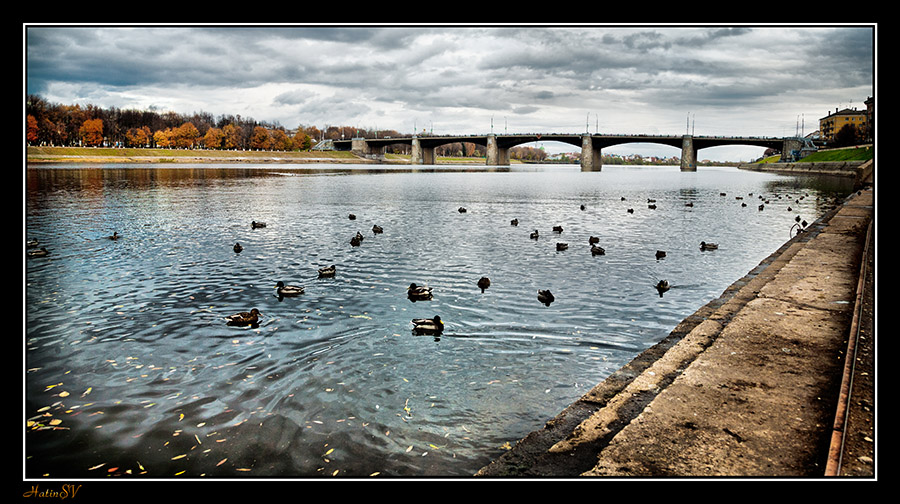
715	80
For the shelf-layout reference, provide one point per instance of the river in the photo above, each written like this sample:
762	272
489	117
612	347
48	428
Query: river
130	368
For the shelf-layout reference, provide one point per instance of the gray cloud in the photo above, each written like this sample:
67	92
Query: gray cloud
634	77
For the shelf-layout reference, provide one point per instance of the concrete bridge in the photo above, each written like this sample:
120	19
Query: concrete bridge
497	146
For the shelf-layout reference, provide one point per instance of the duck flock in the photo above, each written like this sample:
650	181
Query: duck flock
416	292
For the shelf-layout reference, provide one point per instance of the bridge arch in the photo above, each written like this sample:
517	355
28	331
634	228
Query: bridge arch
497	146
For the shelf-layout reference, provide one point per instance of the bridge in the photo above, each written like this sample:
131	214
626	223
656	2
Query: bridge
497	146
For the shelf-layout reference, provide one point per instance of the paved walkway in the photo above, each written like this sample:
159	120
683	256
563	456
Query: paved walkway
748	386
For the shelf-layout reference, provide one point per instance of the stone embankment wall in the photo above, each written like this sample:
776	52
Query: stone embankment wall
861	171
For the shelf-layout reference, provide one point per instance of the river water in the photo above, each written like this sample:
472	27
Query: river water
129	366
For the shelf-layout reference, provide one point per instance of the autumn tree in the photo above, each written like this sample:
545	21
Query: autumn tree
31	129
91	132
261	139
280	141
186	136
213	138
231	137
162	138
302	140
138	137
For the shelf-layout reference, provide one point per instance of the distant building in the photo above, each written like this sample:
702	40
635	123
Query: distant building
870	118
833	122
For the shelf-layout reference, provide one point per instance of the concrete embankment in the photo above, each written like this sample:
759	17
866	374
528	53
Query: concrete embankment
750	385
861	171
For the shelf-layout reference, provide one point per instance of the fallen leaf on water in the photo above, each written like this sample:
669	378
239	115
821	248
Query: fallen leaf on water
97	466
221	462
176	457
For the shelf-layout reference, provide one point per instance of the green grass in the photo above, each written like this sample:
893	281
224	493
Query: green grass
855	154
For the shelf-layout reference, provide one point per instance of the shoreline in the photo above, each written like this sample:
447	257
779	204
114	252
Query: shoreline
713	398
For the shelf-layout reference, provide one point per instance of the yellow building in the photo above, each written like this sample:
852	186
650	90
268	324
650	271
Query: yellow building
832	123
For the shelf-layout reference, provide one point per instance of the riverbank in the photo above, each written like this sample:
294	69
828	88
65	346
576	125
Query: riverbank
863	172
754	384
102	155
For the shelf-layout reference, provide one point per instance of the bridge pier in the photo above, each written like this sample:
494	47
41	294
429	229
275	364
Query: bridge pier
361	147
420	154
496	155
590	157
688	154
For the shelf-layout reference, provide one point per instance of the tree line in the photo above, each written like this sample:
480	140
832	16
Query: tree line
54	124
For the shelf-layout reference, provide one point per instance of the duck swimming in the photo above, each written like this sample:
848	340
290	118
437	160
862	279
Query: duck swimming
351	217
31	243
41	252
597	250
377	229
534	235
356	240
428	326
593	239
660	254
484	283
115	236
662	286
514	222
708	246
546	297
250	318
558	229
238	248
288	290
328	271
462	210
561	246
257	225
418	293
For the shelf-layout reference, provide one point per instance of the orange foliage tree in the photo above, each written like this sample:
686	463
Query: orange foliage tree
92	132
213	138
261	139
137	137
31	129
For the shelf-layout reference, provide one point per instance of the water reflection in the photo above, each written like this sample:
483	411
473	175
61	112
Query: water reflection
127	343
